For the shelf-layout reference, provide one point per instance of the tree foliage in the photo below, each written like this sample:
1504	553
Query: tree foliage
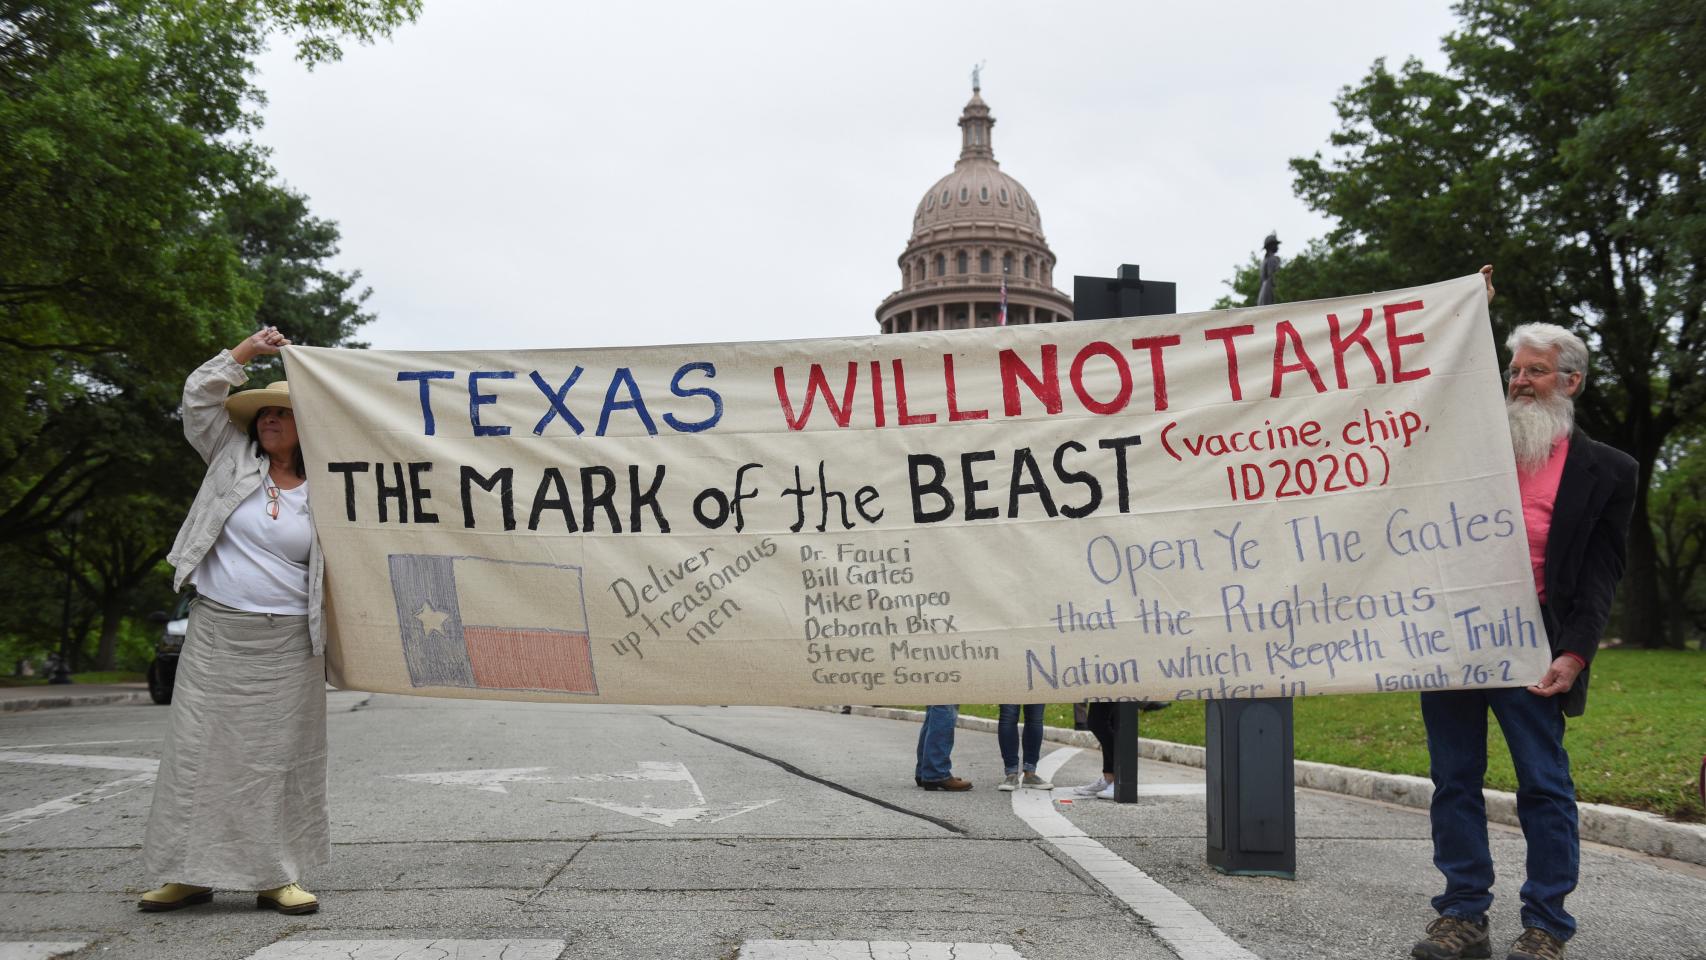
1565	143
141	230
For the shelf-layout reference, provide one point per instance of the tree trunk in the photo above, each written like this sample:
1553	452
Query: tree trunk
106	654
1644	613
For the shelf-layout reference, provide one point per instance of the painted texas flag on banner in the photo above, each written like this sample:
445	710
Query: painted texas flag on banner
459	626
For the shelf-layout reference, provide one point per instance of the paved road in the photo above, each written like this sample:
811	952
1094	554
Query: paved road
699	832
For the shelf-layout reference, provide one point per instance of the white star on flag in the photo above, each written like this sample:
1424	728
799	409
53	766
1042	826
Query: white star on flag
432	621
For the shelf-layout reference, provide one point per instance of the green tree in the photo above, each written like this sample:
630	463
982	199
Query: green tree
140	231
1560	145
1679	522
286	253
122	153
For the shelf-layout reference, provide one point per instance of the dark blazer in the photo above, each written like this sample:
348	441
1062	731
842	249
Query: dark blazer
1586	547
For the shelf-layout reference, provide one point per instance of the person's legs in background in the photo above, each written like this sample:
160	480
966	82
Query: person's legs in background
1033	743
936	748
1104	726
1007	737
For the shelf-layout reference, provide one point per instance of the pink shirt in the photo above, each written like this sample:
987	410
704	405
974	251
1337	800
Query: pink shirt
1539	490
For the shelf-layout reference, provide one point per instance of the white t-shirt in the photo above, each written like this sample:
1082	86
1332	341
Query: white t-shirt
258	563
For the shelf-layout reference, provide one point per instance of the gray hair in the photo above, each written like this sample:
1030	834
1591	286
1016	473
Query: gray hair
1572	352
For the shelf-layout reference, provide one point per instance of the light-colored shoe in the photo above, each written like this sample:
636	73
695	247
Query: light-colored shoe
1092	788
290	898
173	896
1033	782
1107	792
1009	783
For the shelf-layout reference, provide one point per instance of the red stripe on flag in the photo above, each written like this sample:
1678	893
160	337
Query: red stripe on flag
508	658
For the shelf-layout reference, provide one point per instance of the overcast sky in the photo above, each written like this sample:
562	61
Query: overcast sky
532	173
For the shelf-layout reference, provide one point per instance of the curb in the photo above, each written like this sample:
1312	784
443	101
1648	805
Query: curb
21	704
1635	830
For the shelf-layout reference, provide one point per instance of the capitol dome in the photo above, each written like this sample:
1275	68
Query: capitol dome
972	229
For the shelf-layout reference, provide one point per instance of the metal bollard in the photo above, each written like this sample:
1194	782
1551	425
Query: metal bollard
1252	797
1125	755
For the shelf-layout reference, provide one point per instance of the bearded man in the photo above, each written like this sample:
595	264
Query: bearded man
1577	495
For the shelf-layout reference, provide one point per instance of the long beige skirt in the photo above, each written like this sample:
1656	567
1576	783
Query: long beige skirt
240	802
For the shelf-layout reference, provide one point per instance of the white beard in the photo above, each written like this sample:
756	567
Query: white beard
1536	425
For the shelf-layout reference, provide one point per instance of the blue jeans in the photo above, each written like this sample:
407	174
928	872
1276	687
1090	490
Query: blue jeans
1007	734
1545	802
936	742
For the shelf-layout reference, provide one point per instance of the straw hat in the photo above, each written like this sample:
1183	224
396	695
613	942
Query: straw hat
243	406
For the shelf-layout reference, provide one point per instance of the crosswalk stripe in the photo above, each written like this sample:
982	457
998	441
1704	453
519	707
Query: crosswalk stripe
294	949
873	950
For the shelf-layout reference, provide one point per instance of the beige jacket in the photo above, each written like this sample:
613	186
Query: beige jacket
235	470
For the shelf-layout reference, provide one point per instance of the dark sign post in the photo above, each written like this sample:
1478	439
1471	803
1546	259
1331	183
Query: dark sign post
1252	814
1104	298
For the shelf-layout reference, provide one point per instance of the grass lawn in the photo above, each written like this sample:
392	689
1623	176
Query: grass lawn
1639	744
109	676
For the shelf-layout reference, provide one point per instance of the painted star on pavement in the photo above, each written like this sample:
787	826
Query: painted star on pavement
431	620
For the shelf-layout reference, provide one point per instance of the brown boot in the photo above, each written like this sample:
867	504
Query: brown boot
1454	938
954	784
1536	944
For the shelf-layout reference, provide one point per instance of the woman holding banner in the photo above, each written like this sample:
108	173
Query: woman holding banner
240	802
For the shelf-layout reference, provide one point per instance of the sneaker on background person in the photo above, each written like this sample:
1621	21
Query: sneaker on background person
1093	788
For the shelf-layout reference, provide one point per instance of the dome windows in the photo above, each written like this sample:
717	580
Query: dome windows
961	262
983	261
1003	194
1021	201
942	265
1007	263
946	196
965	194
930	202
1027	267
983	194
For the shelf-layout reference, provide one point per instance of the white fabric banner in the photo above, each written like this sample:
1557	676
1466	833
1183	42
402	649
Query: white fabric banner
1291	500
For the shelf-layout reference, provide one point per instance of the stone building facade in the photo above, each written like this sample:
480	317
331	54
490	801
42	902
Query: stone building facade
974	226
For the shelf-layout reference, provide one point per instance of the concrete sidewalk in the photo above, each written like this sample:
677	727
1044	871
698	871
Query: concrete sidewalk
44	696
1599	822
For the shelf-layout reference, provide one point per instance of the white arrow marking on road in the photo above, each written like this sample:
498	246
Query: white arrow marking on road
494	781
38	949
145	767
139	764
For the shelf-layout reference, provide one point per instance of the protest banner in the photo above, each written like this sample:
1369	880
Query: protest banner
1290	500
